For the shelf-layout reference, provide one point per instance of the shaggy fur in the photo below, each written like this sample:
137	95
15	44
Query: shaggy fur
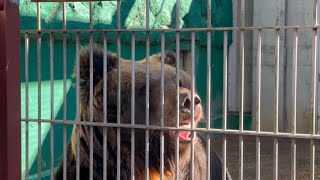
170	105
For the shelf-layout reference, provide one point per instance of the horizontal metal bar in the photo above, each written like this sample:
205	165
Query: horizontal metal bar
212	130
174	29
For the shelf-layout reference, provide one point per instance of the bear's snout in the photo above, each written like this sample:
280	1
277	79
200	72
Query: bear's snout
186	101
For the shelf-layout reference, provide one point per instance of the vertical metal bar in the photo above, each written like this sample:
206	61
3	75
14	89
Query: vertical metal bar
64	100
258	86
133	56
275	158
52	105
10	103
39	86
105	100
312	159
119	89
208	139
64	16
242	67
314	100
294	102
225	80
162	108
258	103
91	105
147	88
177	85
78	106
294	80
192	100
225	103
276	107
38	16
64	93
39	103
90	15
26	37
293	159
242	6
91	92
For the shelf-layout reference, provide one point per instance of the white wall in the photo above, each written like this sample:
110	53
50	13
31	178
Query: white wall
295	12
272	13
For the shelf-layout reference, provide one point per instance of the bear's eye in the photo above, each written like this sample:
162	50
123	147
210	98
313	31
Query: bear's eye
180	83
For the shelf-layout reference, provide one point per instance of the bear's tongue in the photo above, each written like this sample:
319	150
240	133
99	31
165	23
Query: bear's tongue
184	135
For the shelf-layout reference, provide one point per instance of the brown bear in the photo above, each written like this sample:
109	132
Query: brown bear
170	104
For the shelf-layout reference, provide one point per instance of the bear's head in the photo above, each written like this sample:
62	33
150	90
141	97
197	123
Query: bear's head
170	104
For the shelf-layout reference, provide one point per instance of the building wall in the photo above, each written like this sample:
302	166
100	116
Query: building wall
272	13
293	12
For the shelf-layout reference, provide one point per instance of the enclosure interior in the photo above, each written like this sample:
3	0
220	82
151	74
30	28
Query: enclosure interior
254	64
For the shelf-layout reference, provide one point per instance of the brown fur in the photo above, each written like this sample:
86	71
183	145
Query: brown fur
170	105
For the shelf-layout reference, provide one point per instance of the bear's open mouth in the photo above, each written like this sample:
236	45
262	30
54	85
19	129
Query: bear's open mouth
186	124
183	135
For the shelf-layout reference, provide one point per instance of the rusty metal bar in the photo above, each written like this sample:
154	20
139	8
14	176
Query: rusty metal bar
1	5
10	106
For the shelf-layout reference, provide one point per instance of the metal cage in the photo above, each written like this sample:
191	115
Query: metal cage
240	29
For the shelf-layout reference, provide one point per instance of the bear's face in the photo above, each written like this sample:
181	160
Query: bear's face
155	107
170	105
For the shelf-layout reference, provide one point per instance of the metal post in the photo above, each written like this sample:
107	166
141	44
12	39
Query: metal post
10	117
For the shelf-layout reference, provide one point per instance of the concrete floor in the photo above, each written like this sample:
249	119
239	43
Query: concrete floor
302	165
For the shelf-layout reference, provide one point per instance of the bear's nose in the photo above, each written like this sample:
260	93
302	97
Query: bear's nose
185	100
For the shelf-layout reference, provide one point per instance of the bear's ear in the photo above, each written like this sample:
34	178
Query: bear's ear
97	62
170	58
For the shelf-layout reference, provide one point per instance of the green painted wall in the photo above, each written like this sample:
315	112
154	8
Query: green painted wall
193	14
